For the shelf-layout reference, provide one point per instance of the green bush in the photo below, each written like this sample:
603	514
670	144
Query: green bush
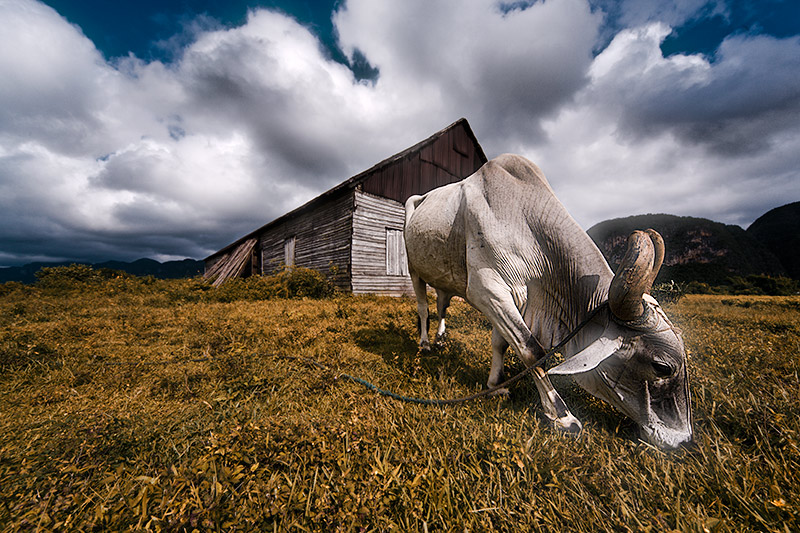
292	282
74	275
669	292
250	289
11	286
298	282
187	290
767	285
699	287
752	285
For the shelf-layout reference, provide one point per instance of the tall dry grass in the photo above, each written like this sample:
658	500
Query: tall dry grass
140	404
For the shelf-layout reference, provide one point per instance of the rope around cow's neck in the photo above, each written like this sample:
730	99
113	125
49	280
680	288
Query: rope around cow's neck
425	401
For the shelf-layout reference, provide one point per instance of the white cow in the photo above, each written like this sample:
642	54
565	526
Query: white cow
501	240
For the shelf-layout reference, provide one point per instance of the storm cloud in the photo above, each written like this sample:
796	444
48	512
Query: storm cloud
123	158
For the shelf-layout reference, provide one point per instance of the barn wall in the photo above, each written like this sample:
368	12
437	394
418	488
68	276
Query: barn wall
322	239
448	158
213	260
373	215
324	227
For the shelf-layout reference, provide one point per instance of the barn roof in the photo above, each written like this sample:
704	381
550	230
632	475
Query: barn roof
359	179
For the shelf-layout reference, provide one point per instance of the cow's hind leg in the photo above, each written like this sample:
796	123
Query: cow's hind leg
423	320
442	303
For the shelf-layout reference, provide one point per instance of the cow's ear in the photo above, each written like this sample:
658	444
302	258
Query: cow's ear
591	356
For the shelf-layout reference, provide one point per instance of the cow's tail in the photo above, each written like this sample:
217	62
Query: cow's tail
411	205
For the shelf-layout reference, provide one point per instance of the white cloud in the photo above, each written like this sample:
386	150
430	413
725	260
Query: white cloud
251	122
51	79
680	135
671	12
503	70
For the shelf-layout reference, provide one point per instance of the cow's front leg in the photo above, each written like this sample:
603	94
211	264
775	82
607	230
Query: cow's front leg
553	406
555	409
497	374
494	299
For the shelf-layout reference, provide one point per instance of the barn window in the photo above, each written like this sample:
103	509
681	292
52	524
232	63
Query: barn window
288	251
396	263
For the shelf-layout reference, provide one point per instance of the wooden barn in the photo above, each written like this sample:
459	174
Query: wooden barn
354	232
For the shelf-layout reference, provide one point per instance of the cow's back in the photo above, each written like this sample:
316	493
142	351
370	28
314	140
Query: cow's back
523	170
513	191
505	217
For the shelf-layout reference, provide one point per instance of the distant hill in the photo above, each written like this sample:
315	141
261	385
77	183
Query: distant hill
141	267
779	230
697	249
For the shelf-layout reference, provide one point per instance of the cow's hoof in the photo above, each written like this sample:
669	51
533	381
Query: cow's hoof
568	424
440	340
425	347
504	393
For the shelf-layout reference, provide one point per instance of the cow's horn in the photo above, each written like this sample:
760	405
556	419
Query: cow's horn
658	259
633	278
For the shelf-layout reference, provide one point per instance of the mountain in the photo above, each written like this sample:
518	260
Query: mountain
779	230
141	267
696	249
150	267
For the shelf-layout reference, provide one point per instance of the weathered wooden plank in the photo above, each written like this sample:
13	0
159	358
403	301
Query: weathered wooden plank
406	175
232	264
323	228
372	217
322	240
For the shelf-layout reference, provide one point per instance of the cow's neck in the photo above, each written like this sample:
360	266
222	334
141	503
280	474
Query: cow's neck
573	283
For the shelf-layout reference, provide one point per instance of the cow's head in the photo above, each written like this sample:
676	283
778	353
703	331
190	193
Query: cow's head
638	363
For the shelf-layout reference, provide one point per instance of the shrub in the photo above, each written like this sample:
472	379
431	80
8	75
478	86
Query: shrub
669	292
294	282
187	290
250	289
699	287
11	286
298	282
77	277
72	276
291	282
770	286
752	285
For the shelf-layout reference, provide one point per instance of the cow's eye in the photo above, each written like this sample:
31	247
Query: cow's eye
662	370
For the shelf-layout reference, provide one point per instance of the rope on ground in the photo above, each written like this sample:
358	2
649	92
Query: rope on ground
482	394
409	399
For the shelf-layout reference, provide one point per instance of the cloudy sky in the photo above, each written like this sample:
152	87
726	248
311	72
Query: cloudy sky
167	129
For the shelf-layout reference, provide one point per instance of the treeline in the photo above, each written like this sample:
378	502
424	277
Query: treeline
292	282
752	285
185	268
307	283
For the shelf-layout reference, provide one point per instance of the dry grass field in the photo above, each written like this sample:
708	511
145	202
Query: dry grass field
130	404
